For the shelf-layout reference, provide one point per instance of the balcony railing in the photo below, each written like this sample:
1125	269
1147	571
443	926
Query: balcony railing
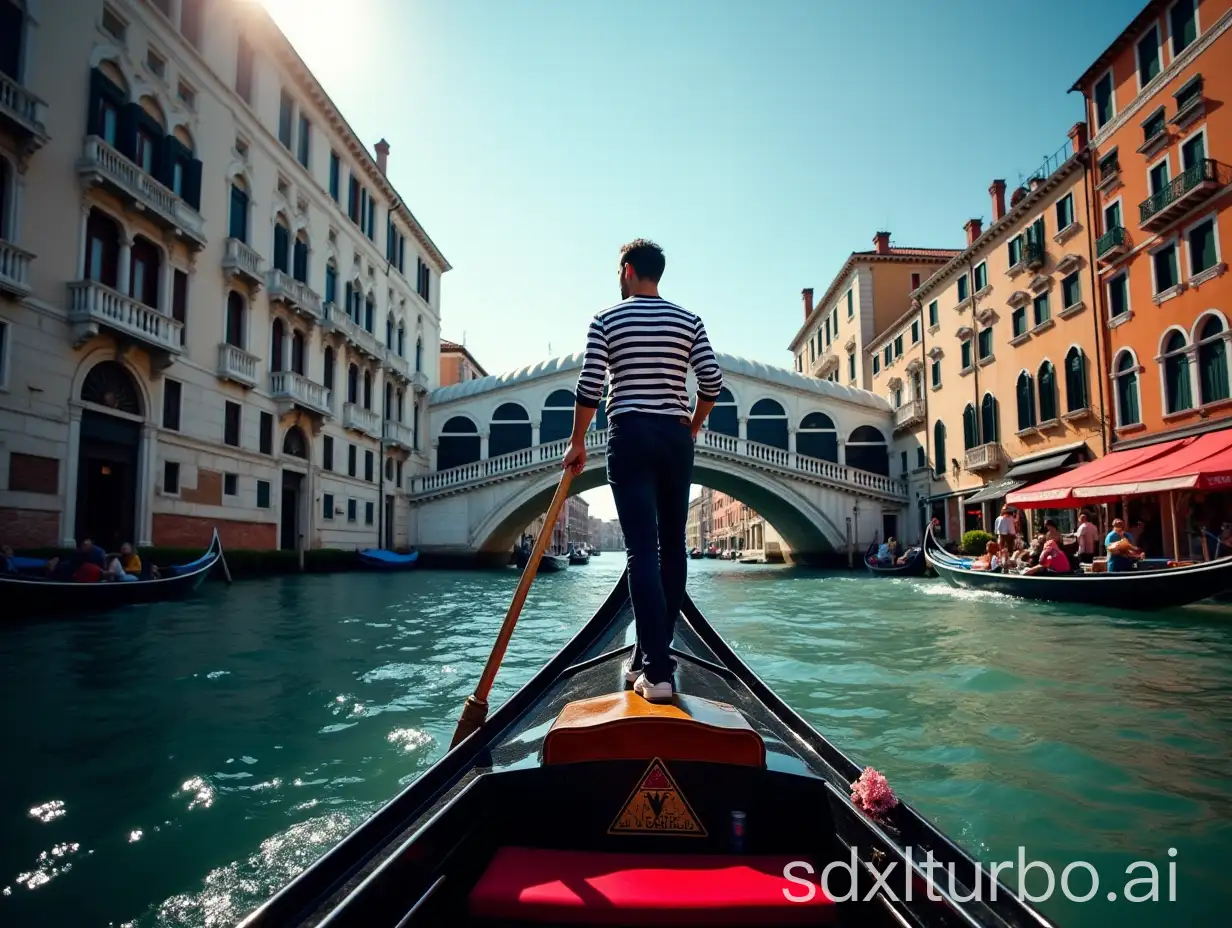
296	294
292	389
333	318
825	363
983	457
92	304
241	260
1196	185
14	270
419	380
400	434
1112	244
361	420
237	364
104	164
909	414
1033	255
20	108
396	363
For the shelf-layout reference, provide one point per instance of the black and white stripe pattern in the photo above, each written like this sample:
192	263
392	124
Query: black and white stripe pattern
647	344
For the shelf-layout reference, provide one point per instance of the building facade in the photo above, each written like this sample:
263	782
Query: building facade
215	309
693	537
458	364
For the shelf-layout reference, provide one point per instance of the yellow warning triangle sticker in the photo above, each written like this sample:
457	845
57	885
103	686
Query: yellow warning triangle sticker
657	807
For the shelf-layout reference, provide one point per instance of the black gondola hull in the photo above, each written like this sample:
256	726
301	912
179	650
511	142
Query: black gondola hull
916	566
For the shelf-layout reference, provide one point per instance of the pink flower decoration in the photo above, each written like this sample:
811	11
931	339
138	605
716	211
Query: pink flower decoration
873	794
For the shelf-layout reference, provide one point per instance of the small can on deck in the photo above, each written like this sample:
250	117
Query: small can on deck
737	832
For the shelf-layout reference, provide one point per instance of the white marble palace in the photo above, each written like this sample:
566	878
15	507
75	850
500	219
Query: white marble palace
215	309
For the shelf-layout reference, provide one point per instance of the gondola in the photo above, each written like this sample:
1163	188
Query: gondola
579	557
595	552
578	802
382	559
1140	589
696	554
553	563
915	566
28	593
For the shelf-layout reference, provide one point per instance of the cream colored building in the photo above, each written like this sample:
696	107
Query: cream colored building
215	309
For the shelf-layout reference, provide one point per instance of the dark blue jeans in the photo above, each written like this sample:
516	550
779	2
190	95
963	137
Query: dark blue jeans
650	468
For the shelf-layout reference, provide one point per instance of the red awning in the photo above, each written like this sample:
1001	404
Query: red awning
1203	462
1059	492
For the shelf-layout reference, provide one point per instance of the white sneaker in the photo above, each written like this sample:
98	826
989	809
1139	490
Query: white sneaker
652	692
631	673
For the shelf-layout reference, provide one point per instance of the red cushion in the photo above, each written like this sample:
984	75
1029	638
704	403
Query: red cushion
584	887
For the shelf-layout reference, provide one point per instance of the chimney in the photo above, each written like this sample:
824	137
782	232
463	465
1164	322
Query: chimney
881	243
807	295
382	154
997	192
1078	135
973	227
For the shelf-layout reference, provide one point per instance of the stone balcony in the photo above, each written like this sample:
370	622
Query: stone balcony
398	364
909	414
14	270
302	299
400	434
295	391
19	110
983	457
94	306
419	380
242	261
334	319
102	164
237	365
359	419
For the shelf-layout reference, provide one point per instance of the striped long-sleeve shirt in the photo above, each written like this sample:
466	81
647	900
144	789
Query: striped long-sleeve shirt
647	345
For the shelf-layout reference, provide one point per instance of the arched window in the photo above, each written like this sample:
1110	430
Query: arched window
145	267
355	302
1047	392
510	430
294	443
109	384
282	247
939	449
1026	402
237	221
367	389
300	266
1076	380
1213	360
1177	393
866	450
388	411
557	419
353	385
401	407
458	444
401	340
329	367
418	355
236	323
971	431
369	313
331	282
389	469
297	352
722	418
768	424
102	249
389	330
1126	380
415	425
278	335
817	437
990	422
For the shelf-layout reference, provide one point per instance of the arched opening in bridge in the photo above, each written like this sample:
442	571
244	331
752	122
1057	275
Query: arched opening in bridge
817	437
768	424
458	444
557	420
723	416
866	449
510	430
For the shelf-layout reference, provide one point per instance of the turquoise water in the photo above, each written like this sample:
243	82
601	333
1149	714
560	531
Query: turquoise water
175	765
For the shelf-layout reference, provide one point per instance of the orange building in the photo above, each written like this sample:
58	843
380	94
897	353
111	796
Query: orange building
1162	140
458	364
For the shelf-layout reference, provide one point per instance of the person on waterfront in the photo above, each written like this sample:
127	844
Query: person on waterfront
1088	538
1120	547
645	345
1006	529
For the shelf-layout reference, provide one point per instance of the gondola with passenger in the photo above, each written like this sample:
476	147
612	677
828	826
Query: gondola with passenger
33	590
1147	587
912	563
578	802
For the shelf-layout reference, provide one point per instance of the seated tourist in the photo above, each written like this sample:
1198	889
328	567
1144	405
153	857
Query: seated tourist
88	572
130	560
1122	554
883	553
1051	560
990	560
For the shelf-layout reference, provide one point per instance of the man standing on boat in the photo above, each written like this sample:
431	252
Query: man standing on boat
646	345
1006	530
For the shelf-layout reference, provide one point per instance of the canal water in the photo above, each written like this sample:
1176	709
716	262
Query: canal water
172	766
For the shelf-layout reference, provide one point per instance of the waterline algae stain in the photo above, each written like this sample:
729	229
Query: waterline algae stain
173	766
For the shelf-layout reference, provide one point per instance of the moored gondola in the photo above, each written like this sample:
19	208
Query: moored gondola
1139	589
33	593
553	563
579	557
577	802
914	566
383	559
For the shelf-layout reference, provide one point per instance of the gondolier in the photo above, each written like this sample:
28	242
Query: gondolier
647	344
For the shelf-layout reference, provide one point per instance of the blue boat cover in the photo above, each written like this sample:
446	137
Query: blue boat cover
389	557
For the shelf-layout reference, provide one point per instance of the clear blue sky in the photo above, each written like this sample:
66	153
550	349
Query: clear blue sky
758	143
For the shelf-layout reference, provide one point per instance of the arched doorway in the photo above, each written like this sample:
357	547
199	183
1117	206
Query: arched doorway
722	417
866	450
768	424
817	437
294	445
108	455
458	444
510	430
557	418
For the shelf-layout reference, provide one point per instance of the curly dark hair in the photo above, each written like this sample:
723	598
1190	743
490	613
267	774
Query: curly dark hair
645	257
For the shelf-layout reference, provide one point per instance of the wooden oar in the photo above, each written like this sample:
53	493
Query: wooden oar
475	711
